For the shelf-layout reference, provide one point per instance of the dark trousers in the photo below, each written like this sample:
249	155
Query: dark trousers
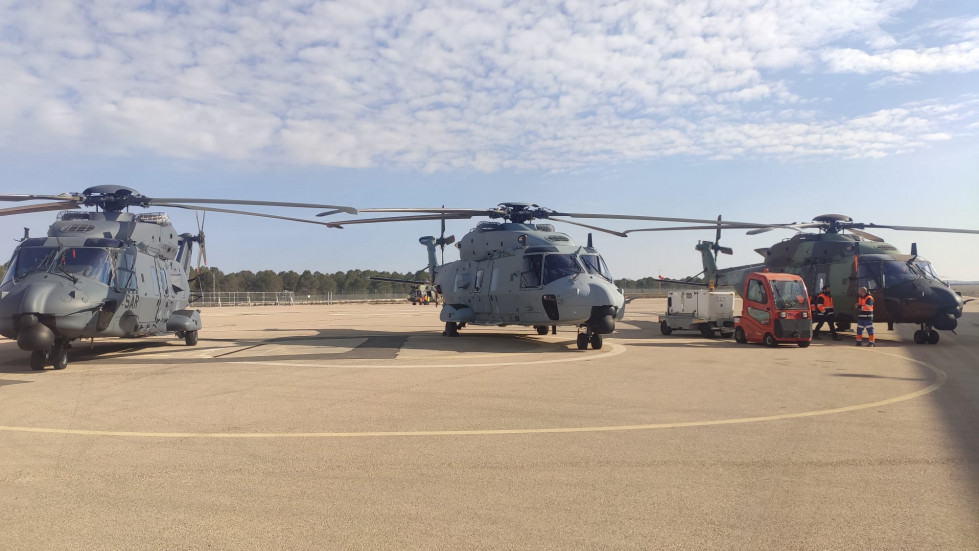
829	320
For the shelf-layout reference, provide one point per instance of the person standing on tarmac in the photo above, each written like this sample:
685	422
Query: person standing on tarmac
823	313
865	316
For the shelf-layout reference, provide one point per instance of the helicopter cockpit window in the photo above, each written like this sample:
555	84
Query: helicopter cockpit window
557	266
926	269
868	275
29	259
86	262
897	271
530	274
789	295
125	273
595	264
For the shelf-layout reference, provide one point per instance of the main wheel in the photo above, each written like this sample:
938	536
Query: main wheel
582	341
38	359
664	328
451	329
541	329
59	358
920	336
596	341
739	336
706	330
770	340
933	337
803	344
191	338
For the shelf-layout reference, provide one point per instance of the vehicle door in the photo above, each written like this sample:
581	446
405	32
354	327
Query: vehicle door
480	290
757	318
166	294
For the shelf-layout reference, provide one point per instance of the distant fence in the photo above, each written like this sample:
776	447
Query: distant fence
286	298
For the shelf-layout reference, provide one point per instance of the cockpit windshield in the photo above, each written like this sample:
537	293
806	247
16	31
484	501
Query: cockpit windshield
595	264
557	266
29	259
90	262
926	269
789	295
875	275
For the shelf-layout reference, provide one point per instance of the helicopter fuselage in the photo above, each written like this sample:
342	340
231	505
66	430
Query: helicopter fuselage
905	288
97	274
528	274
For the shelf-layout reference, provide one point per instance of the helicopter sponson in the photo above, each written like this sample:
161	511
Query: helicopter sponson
526	274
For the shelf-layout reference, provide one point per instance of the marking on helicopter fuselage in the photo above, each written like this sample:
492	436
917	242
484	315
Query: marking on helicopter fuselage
940	379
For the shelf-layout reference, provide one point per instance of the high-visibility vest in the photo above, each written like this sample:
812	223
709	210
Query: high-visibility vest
824	303
865	306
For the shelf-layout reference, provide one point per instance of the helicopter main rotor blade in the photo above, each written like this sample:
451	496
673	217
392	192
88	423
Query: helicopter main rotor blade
247	213
188	201
395	280
711	227
468	213
911	228
28	197
596	228
865	235
713	223
39	208
340	223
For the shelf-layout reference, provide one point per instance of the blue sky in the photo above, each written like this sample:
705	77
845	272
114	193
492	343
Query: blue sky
760	111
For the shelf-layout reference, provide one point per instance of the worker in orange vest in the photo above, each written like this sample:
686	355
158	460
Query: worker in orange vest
865	316
823	313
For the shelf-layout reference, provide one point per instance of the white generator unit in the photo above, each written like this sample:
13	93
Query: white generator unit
701	310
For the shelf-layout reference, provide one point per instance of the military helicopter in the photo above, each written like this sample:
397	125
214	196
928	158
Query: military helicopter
841	254
107	272
515	272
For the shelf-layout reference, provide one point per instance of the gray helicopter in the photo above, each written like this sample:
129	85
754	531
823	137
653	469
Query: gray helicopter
107	272
515	272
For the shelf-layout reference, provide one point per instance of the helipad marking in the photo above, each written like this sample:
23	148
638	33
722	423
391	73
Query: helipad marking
940	379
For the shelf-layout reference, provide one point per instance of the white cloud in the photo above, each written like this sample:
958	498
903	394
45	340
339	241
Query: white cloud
444	85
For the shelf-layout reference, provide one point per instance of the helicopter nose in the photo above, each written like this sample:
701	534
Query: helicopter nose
949	306
21	315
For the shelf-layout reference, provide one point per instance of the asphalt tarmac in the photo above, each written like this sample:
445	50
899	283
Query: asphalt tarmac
361	427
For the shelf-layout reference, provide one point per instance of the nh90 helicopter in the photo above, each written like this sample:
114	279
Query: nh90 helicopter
515	272
905	287
105	273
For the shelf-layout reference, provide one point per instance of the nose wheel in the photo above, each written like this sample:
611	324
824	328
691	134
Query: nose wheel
588	336
57	358
926	335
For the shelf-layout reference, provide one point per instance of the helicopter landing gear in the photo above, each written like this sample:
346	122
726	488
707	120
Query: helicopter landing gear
926	335
589	336
190	338
38	360
59	355
542	329
451	329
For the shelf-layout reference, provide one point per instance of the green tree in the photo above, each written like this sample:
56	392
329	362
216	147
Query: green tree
3	269
290	280
266	281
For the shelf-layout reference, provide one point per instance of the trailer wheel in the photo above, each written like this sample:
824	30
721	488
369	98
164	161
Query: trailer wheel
803	344
770	340
739	336
706	330
664	328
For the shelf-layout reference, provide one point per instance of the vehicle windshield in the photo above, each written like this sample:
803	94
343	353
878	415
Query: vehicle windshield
557	266
92	263
789	295
926	269
29	259
595	264
897	271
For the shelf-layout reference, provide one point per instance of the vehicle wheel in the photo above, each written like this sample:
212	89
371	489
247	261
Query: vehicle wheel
664	328
920	336
38	359
541	329
740	337
451	329
191	338
933	337
596	341
706	330
582	341
803	344
59	358
843	326
770	340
